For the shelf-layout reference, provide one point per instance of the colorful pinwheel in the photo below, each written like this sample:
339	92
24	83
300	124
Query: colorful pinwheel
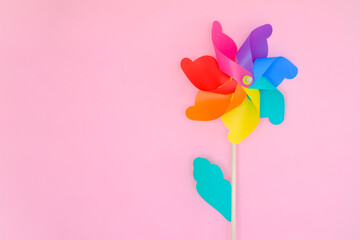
240	86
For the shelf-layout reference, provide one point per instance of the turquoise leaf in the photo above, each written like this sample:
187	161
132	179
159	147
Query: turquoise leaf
212	186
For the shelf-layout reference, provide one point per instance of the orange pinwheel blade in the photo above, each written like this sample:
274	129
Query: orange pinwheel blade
237	98
208	106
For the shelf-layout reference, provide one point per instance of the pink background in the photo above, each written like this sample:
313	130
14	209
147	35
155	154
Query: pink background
94	143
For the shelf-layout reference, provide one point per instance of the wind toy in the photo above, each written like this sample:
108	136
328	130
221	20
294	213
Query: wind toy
240	87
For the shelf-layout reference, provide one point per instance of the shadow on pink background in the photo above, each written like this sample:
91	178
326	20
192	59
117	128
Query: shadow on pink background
94	142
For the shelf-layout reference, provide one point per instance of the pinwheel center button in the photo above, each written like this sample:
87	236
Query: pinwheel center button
247	80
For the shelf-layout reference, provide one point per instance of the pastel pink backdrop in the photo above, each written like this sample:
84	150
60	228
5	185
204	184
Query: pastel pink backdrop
94	143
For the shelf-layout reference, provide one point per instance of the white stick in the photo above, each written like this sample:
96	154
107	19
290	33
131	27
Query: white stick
233	191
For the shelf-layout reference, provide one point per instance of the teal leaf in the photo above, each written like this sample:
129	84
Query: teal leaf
212	186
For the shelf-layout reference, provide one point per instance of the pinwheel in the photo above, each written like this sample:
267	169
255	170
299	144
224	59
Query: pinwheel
240	87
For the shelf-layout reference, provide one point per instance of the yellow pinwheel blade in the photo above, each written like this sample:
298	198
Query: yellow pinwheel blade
242	120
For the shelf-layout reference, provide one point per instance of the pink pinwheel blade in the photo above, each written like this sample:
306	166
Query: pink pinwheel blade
225	50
